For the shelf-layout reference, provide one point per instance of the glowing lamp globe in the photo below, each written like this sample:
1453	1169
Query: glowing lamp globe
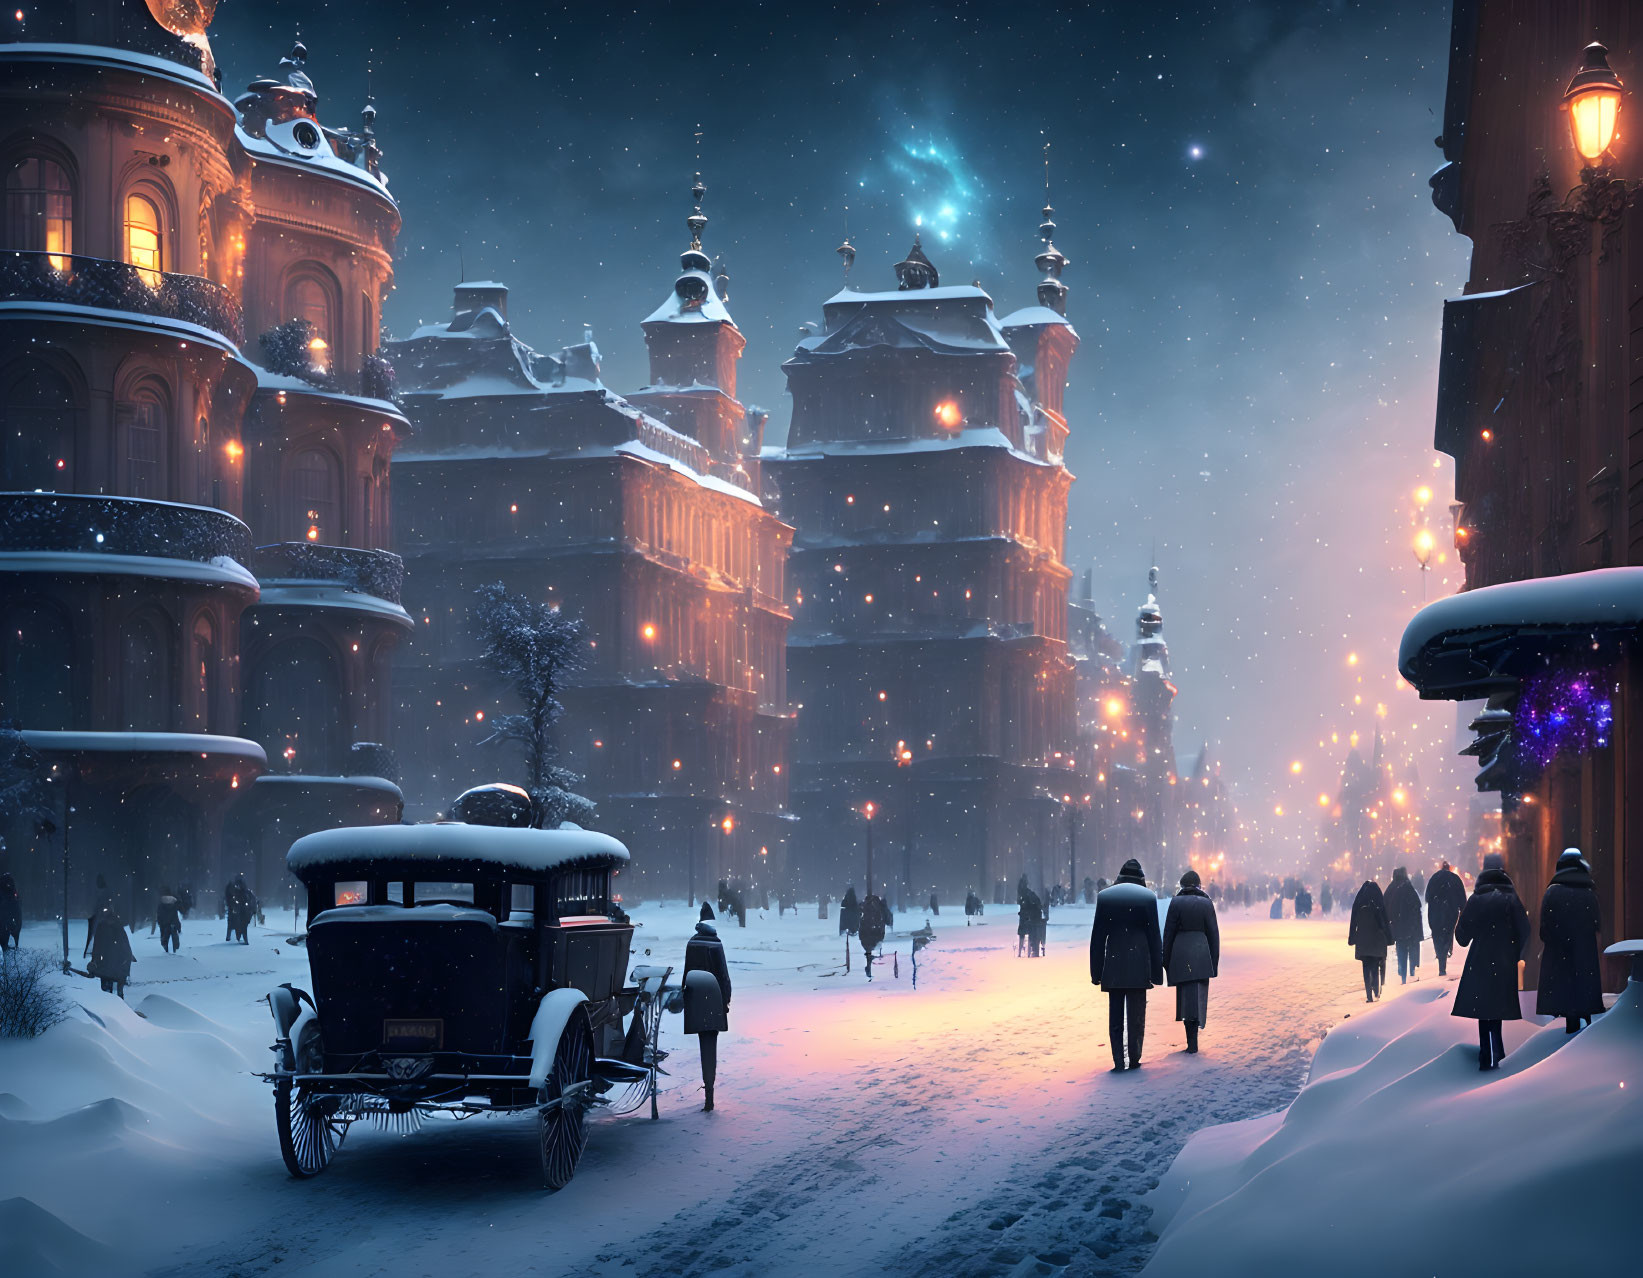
1593	99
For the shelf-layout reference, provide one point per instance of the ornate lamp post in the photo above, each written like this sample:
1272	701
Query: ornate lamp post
1593	103
867	810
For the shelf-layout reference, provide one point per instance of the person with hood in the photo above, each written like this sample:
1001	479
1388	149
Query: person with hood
1403	912
169	920
111	956
706	915
1571	984
1494	927
11	913
707	1000
1192	953
849	912
1126	959
1445	896
1325	899
1370	933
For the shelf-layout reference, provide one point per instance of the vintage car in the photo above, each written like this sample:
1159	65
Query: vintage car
461	968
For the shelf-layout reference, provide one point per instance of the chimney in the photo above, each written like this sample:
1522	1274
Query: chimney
473	296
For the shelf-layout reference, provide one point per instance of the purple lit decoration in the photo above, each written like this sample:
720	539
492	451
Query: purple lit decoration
1571	710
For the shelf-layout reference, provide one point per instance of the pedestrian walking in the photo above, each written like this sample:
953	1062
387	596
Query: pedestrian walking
707	1000
1325	899
1571	982
1445	896
1494	927
1370	934
1403	912
1126	959
11	913
111	956
1192	954
1029	920
168	917
849	912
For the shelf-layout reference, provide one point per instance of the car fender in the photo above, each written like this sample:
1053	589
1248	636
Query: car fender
553	1013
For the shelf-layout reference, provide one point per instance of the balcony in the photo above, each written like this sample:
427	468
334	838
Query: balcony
75	523
118	286
377	573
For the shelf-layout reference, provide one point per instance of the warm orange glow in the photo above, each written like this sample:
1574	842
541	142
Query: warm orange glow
677	764
648	631
1423	494
479	716
1488	435
728	824
1114	707
1424	544
1295	767
234	450
1351	658
948	415
884	696
1592	117
868	808
1323	800
313	532
1399	797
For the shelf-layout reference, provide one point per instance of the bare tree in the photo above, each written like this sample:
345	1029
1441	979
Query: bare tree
535	647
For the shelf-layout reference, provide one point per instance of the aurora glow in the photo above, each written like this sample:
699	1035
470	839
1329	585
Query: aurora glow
937	187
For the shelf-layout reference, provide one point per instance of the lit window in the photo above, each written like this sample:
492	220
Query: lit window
142	235
40	209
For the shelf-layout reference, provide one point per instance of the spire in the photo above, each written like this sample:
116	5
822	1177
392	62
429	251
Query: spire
1150	619
847	250
1051	291
694	285
917	271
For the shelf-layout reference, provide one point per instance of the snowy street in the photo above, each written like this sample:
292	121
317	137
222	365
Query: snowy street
969	1127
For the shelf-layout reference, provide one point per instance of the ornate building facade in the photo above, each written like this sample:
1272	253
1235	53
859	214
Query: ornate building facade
928	655
643	514
197	611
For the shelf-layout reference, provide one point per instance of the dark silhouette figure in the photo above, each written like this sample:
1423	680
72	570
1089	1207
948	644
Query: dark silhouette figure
11	913
168	918
706	915
1445	897
1571	982
1029	920
935	904
707	1000
105	901
1126	959
1403	912
849	912
1192	954
1370	934
1494	927
1277	910
1303	904
1326	900
111	956
1089	890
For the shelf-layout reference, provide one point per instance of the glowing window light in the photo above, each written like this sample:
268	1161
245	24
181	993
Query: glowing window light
948	414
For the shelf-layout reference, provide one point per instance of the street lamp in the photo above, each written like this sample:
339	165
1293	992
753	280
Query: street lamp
1593	100
867	810
1424	545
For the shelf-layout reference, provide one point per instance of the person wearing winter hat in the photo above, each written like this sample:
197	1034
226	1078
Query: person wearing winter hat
1369	933
1494	927
1126	959
1571	982
707	1000
1192	953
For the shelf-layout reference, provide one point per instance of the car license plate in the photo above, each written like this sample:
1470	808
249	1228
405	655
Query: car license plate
426	1034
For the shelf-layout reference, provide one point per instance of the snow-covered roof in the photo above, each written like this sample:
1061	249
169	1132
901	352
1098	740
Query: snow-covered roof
200	743
957	319
633	448
296	386
351	782
312	594
531	851
1032	316
675	311
1460	644
104	56
281	147
942	293
114	317
439	912
969	437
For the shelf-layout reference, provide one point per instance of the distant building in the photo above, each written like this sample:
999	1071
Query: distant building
643	515
923	473
197	610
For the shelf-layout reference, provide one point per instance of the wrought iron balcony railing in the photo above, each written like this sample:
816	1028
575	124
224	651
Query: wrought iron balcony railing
379	573
90	524
119	286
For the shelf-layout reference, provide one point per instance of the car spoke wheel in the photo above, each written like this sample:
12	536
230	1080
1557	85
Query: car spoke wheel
310	1127
562	1120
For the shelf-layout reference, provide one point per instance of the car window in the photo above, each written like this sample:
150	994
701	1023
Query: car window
424	892
352	892
523	898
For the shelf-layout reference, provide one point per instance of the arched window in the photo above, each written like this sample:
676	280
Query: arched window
368	336
144	683
293	701
203	675
36	659
39	208
144	238
142	425
37	420
310	296
313	498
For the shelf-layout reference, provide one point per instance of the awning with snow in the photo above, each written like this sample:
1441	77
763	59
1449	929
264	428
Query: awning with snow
1485	641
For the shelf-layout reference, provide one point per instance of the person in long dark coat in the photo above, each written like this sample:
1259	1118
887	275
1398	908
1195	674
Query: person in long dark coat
707	1000
1494	927
11	913
1192	953
1126	958
1029	919
1303	904
111	956
168	918
1370	933
1571	982
1325	898
849	912
1403	912
1445	896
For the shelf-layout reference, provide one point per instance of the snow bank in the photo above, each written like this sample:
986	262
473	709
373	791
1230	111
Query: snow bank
1399	1156
534	851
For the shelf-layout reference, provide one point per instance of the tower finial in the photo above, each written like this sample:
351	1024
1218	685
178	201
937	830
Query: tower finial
1051	291
847	250
694	285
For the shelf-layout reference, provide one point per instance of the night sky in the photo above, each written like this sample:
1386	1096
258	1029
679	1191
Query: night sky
1257	270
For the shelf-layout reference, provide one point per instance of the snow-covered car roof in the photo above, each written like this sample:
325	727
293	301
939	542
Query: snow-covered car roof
448	843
